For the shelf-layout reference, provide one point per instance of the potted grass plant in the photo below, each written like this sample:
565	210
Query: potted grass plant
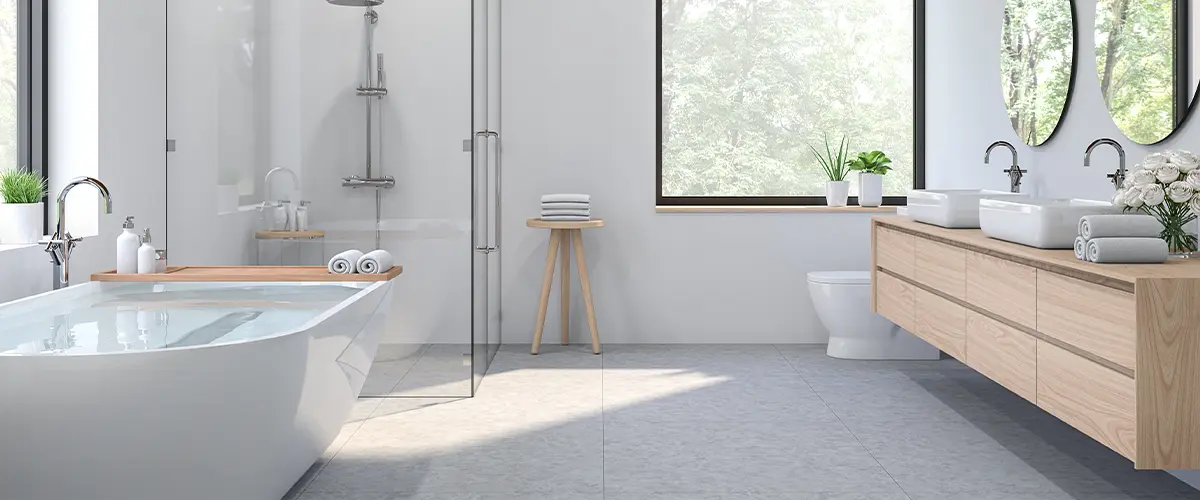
21	213
871	167
835	165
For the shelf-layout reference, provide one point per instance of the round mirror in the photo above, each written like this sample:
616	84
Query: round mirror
1142	57
1037	62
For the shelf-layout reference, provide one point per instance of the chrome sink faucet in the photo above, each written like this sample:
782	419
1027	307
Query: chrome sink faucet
1015	174
1118	178
276	170
61	244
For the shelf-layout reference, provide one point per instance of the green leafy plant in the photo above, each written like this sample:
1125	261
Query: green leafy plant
836	165
21	186
874	162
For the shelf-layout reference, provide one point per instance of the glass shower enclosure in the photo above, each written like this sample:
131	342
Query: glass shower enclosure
381	117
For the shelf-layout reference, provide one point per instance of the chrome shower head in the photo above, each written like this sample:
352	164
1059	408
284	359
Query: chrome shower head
357	3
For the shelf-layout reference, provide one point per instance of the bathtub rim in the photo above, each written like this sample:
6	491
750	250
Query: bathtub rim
364	289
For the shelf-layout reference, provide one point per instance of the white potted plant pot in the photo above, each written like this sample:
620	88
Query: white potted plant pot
870	188
837	193
20	223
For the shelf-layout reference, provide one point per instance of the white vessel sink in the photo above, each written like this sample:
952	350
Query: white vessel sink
1038	222
951	208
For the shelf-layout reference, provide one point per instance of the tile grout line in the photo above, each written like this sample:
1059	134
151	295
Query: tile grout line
839	418
408	371
300	494
603	474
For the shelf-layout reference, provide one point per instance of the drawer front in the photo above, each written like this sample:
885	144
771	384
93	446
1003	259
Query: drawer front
1096	400
1003	354
1005	288
894	251
894	300
1093	318
941	323
941	267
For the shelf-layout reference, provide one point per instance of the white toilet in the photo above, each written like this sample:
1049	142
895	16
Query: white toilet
843	302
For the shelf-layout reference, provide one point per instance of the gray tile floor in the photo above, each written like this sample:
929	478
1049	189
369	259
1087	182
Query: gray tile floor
702	422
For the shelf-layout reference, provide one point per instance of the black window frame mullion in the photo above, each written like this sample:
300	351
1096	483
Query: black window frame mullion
918	132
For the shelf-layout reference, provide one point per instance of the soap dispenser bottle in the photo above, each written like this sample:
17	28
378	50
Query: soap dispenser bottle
127	248
146	258
302	216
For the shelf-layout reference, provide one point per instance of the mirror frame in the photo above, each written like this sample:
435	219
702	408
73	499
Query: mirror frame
1072	81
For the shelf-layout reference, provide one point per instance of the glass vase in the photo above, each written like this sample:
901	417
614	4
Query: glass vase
1175	218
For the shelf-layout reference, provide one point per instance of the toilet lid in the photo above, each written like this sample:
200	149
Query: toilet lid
841	277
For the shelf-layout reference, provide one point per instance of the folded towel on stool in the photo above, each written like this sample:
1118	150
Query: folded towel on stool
1081	245
579	213
345	262
1119	226
378	261
565	205
569	198
1127	251
567	218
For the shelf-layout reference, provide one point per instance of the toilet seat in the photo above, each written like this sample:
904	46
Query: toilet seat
840	277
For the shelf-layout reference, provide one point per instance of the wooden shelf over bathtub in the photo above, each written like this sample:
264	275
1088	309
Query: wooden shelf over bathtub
223	274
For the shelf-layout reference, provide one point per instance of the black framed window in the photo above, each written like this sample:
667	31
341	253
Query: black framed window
746	87
22	80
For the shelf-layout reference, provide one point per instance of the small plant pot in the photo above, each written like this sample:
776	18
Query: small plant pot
837	193
20	223
870	188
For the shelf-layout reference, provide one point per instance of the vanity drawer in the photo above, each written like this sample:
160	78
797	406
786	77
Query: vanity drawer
1003	354
941	267
1094	318
1096	400
894	251
941	323
1002	287
894	300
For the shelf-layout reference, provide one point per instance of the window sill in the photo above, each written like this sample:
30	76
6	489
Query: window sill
13	248
749	209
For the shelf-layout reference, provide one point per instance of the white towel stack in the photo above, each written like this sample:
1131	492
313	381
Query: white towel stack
567	207
356	262
1120	239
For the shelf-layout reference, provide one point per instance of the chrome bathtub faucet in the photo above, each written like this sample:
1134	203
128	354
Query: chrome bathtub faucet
1015	174
61	244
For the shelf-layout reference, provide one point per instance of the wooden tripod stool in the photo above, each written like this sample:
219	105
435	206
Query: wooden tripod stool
562	236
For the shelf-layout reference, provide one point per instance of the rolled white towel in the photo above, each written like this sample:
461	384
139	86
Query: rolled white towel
376	262
1127	251
1119	226
580	213
1081	246
569	198
345	262
565	205
567	218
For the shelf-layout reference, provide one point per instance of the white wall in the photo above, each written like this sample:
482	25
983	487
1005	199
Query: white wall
579	116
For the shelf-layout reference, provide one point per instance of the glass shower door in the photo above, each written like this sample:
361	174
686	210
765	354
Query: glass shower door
485	286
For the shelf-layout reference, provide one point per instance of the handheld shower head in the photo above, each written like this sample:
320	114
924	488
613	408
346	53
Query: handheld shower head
357	3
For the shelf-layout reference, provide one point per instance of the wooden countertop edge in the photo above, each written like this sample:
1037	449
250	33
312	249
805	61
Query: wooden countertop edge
1012	324
812	209
1122	283
238	274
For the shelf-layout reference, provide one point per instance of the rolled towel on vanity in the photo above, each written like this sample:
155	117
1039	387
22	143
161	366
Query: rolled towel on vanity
1119	226
378	261
1081	245
1127	251
345	262
566	205
566	198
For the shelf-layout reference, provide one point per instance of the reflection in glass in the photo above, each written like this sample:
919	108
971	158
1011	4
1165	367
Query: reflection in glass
1141	68
1036	65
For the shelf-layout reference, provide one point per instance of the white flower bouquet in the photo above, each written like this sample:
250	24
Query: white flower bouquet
1166	186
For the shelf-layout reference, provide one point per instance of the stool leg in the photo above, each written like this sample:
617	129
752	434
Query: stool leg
564	288
581	263
547	280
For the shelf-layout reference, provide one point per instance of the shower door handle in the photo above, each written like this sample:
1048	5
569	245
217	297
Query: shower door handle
493	140
480	179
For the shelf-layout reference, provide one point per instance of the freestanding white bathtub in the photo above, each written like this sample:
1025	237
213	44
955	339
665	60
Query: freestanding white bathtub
179	391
